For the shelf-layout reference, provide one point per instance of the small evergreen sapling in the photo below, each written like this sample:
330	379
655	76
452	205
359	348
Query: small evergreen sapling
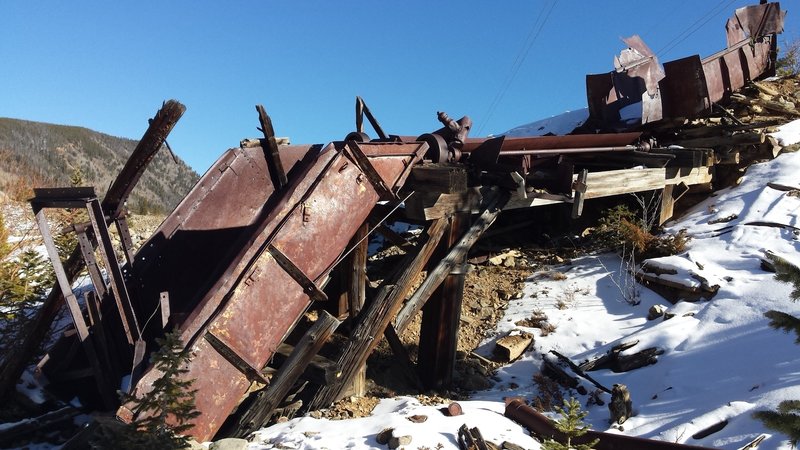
163	413
571	424
786	419
172	398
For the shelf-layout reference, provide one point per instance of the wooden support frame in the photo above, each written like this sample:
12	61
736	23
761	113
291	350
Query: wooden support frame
377	315
433	205
495	202
114	201
357	293
441	315
267	400
65	285
117	282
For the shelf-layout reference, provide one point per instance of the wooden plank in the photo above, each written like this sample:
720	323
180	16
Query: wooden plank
356	294
689	176
117	280
667	204
377	315
616	182
267	400
121	224
579	187
65	286
495	201
272	155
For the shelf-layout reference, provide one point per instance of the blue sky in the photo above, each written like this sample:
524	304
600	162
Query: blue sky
109	65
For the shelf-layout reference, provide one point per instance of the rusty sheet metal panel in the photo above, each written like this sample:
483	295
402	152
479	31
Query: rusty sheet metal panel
687	87
691	86
684	90
635	79
192	245
249	310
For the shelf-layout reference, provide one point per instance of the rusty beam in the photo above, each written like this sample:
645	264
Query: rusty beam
541	427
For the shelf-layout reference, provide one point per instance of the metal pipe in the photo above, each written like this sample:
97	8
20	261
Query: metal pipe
559	151
541	426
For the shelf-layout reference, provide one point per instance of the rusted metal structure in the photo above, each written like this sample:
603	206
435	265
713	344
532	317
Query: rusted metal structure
251	248
687	87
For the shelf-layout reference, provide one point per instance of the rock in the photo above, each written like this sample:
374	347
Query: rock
668	315
510	262
384	436
396	442
229	444
417	418
656	311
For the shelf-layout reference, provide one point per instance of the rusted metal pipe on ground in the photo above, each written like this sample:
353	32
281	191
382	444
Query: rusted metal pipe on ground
542	427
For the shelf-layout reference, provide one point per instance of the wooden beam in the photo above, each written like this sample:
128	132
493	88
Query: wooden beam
272	155
441	314
376	316
495	201
267	400
356	294
439	177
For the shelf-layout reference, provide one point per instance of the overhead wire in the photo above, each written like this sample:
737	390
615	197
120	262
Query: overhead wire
694	27
530	39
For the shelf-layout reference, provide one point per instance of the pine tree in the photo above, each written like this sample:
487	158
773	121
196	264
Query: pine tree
786	419
163	413
571	424
783	321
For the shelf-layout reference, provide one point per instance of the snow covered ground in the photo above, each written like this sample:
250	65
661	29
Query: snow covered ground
721	360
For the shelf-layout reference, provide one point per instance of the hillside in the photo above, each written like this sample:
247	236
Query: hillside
35	154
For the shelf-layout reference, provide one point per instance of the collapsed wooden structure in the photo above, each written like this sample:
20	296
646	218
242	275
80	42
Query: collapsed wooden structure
272	231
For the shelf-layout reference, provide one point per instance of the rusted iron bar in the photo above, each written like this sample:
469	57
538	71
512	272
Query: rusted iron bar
541	426
160	126
494	204
267	400
377	315
361	110
272	154
441	315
